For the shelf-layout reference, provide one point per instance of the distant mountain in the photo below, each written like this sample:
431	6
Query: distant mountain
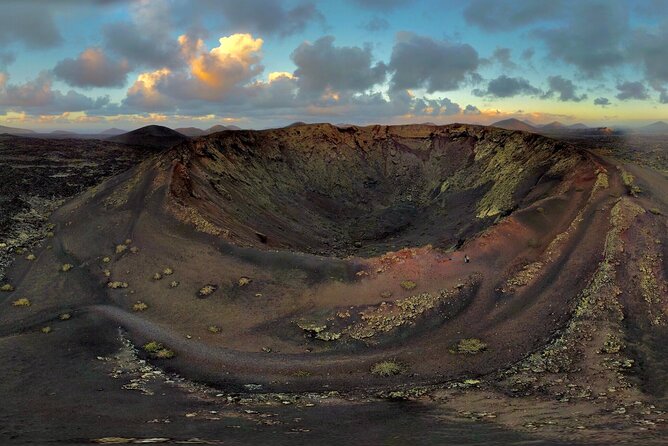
112	132
15	131
656	127
63	133
220	128
191	131
514	124
578	126
556	125
152	136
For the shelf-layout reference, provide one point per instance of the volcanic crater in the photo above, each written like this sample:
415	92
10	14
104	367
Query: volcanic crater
305	258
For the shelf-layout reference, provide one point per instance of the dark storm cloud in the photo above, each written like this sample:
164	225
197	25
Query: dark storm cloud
376	24
321	65
528	54
663	97
603	102
92	68
564	88
6	58
592	39
507	15
436	65
28	23
632	90
506	87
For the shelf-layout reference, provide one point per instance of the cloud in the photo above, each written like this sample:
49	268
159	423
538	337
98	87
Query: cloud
603	102
264	17
504	15
649	47
92	68
31	24
564	88
322	66
528	54
503	57
139	46
381	5
376	24
593	37
632	90
506	87
38	95
471	110
436	65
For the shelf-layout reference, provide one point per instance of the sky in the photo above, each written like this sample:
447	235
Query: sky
91	65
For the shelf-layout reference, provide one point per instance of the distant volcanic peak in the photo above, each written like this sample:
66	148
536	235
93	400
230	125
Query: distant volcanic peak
220	128
314	183
113	131
514	124
555	125
656	127
14	130
152	136
191	131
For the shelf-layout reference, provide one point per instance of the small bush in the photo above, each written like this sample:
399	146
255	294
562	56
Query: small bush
120	248
22	302
408	284
46	329
66	267
65	317
470	346
167	271
157	350
388	368
115	284
173	284
243	281
7	288
139	306
31	257
157	276
655	211
134	250
207	290
106	259
214	329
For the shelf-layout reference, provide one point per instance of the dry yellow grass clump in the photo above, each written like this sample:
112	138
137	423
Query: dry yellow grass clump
22	302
